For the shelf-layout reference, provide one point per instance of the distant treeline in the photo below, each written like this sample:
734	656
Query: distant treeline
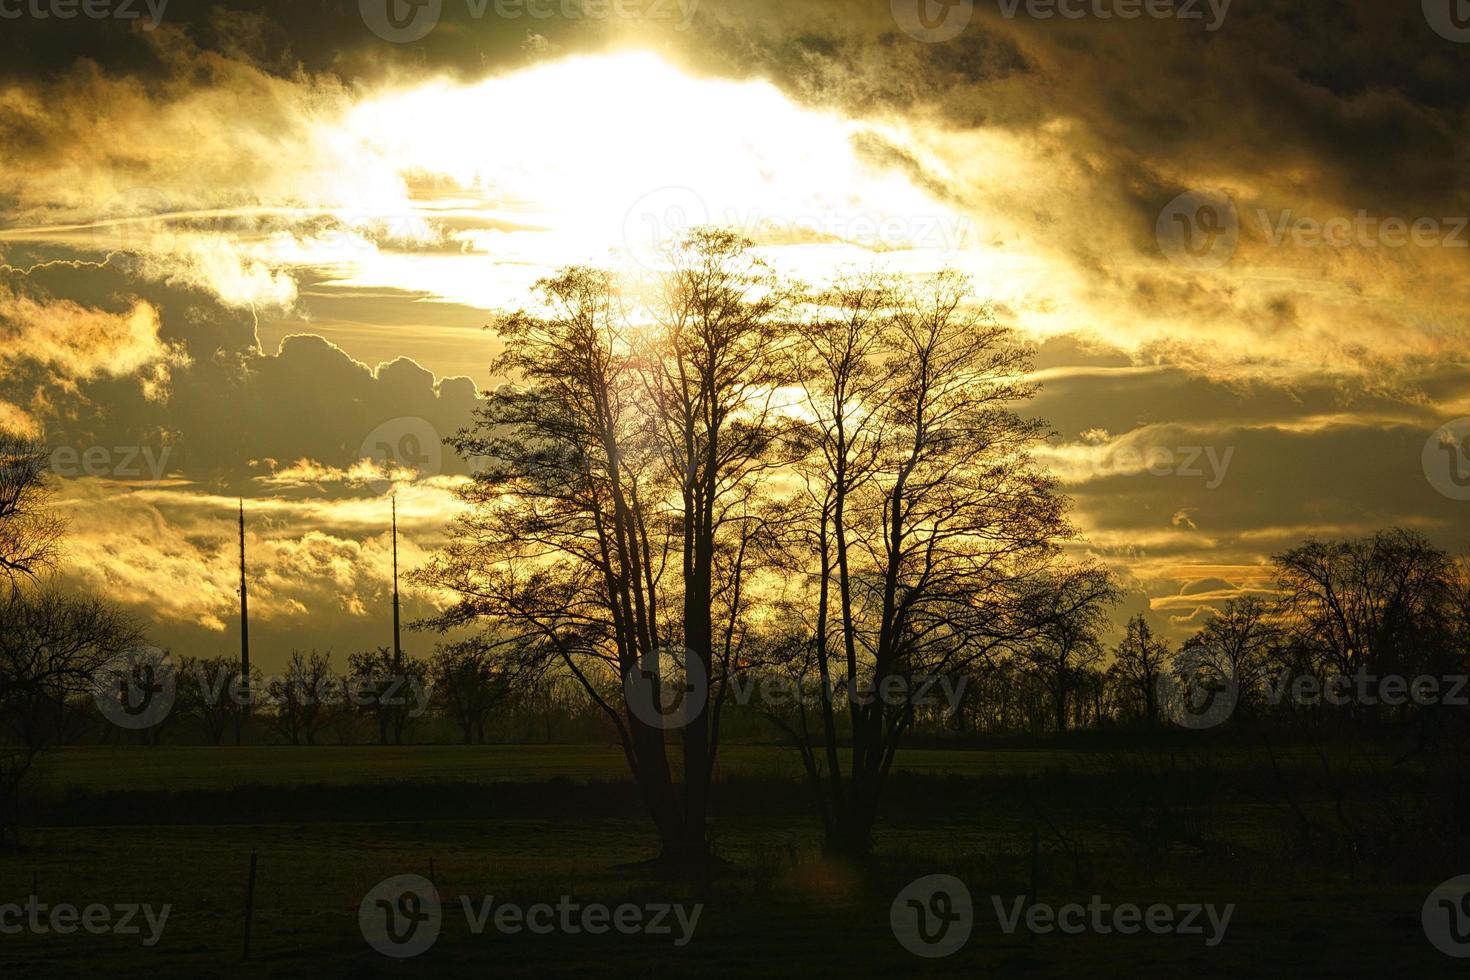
1362	633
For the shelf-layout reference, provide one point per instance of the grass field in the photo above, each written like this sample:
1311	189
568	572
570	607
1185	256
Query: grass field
186	766
328	823
765	915
175	767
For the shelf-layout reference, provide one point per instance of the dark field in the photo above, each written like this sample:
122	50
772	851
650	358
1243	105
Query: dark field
517	823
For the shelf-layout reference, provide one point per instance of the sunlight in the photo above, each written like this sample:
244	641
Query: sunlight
568	160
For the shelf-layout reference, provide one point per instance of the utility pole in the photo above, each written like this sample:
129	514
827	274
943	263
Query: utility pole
397	647
244	633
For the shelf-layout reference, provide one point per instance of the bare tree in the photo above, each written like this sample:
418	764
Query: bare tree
1247	634
209	693
30	531
1071	610
618	514
386	689
468	682
929	528
713	369
304	699
1378	603
52	646
1139	660
561	553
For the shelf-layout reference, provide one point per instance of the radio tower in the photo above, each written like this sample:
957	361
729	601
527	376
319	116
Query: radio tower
397	648
244	632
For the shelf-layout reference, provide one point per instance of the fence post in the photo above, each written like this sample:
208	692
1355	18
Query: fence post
249	903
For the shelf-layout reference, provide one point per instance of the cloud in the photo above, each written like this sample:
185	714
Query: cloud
266	241
76	343
170	556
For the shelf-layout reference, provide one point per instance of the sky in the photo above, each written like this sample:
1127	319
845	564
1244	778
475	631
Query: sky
250	250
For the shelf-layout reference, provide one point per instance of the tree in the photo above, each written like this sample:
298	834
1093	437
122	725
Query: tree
1139	659
30	531
1247	636
389	690
467	685
712	368
1383	604
1072	614
928	525
207	694
617	515
303	700
560	554
52	647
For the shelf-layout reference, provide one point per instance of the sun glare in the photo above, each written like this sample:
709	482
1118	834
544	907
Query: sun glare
619	152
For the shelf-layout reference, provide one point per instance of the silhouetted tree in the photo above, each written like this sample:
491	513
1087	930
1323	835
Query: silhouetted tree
30	530
1072	612
304	700
52	646
387	690
927	524
1139	659
210	695
1382	603
1248	635
467	684
615	518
